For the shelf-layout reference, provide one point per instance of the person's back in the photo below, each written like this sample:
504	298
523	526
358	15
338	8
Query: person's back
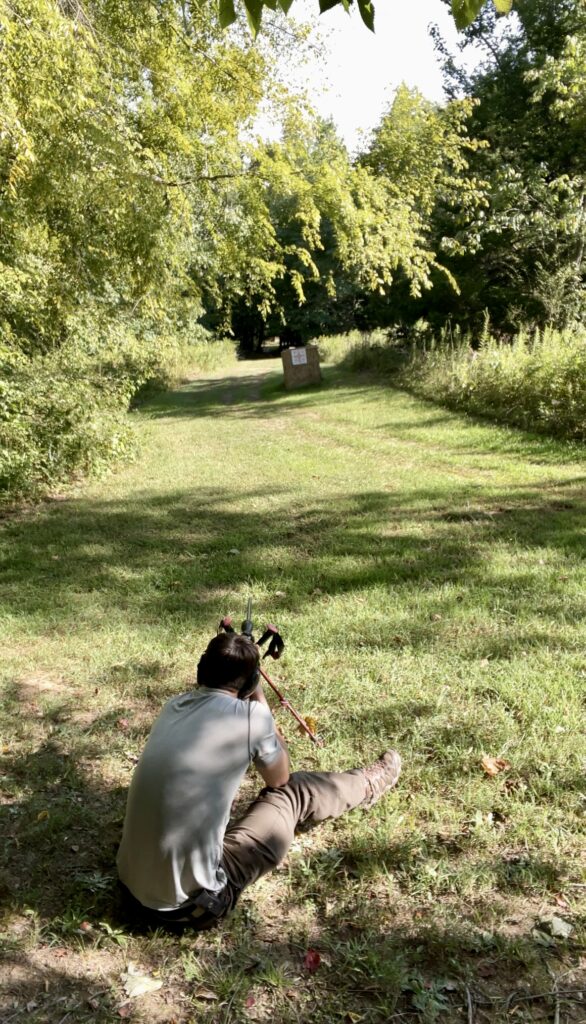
182	791
178	862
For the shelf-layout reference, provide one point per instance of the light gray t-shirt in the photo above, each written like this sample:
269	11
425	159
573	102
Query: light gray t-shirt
182	791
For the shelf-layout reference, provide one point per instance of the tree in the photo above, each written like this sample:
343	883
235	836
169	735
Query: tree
524	261
119	126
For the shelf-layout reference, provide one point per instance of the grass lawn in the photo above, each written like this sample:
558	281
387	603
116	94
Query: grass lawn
428	573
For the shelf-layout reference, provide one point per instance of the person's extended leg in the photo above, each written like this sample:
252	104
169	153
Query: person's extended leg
261	839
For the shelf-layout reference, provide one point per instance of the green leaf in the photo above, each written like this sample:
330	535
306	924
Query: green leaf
285	5
326	5
254	14
271	4
227	13
503	6
465	11
366	9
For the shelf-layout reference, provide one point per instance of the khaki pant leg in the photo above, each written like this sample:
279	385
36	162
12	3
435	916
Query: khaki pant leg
260	840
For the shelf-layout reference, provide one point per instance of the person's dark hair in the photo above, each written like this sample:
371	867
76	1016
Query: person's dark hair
229	662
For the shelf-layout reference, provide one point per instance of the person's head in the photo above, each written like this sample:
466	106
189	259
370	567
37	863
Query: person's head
229	662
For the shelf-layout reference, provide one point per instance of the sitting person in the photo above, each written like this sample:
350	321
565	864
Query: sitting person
179	862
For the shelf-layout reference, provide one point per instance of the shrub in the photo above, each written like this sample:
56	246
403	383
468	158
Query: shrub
537	382
66	411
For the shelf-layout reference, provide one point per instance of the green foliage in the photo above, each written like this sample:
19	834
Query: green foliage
134	199
523	250
55	419
348	229
463	11
423	153
116	123
64	412
537	382
358	350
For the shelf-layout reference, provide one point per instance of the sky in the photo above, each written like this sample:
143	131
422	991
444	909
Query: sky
361	70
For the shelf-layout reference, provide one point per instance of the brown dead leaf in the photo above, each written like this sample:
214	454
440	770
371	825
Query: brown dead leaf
311	960
494	765
205	993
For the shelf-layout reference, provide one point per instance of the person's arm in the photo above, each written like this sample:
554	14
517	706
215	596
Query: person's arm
277	772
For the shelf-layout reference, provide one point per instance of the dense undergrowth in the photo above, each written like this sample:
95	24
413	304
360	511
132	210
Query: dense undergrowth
537	381
65	412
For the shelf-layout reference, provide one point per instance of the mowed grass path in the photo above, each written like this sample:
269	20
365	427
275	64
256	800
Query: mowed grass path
428	573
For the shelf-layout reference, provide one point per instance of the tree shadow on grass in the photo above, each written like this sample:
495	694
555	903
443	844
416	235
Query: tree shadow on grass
378	957
80	564
375	957
168	558
263	396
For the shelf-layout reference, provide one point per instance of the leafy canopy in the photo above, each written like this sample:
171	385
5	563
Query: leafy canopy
464	11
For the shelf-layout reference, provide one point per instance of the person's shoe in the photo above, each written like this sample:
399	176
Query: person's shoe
381	776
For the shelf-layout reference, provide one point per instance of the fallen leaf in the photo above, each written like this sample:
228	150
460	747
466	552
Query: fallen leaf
125	1010
74	849
311	960
205	993
123	724
136	984
556	926
42	815
435	617
234	551
280	593
311	724
494	765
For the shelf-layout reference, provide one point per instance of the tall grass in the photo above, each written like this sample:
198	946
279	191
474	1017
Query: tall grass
537	381
357	350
